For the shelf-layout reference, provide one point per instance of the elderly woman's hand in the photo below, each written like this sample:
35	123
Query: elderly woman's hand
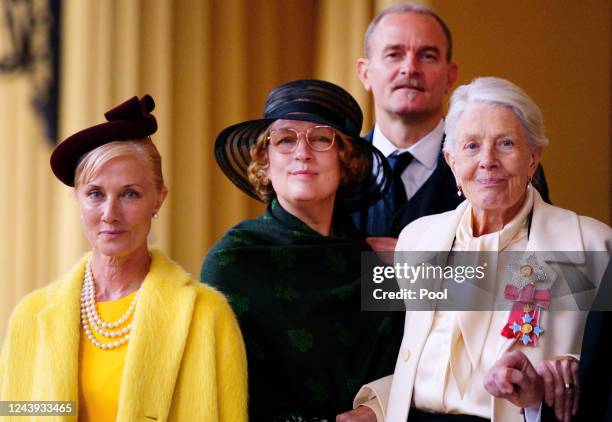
360	414
560	377
514	378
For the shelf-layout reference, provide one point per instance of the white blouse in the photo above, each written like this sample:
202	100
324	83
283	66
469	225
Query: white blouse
450	375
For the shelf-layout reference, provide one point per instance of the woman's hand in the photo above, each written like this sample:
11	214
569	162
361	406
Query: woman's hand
514	378
360	414
561	389
384	247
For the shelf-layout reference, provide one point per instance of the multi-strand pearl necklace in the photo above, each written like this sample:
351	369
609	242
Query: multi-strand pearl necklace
116	331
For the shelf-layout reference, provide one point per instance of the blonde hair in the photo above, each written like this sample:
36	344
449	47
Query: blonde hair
354	165
143	149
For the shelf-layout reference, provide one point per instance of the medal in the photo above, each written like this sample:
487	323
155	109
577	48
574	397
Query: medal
524	320
525	330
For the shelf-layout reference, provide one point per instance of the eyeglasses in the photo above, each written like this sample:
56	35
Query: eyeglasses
286	140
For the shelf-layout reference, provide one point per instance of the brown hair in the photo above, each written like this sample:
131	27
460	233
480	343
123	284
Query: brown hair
354	165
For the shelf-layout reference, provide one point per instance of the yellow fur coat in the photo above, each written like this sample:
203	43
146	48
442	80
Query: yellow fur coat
185	359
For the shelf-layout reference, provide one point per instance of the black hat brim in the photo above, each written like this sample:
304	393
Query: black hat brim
233	154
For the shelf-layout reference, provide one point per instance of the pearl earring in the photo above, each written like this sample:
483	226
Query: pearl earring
459	191
155	215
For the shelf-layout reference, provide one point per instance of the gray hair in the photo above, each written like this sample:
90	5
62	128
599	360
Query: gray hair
493	91
408	8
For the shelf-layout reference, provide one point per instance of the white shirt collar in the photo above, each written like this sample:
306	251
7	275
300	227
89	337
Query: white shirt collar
425	150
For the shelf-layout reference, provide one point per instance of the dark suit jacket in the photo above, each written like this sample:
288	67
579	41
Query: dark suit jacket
596	358
438	194
595	403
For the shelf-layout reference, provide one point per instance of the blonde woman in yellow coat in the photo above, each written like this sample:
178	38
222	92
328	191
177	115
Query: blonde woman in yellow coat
126	335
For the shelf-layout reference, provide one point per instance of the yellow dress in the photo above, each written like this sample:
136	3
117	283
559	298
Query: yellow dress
185	359
100	370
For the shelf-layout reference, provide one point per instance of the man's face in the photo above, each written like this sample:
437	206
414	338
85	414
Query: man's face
407	70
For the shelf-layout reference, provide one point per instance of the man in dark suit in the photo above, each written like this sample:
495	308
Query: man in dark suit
595	402
408	68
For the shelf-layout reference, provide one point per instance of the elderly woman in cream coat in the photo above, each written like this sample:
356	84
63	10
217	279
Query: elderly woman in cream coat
459	363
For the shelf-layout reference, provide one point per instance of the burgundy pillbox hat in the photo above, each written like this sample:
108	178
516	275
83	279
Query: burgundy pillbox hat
129	120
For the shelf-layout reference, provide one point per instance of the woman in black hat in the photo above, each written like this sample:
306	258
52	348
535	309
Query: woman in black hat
293	274
127	334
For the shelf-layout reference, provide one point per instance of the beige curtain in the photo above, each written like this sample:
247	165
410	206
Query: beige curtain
341	25
26	192
210	63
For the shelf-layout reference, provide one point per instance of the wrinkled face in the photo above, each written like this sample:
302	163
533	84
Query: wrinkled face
117	205
407	70
492	160
303	177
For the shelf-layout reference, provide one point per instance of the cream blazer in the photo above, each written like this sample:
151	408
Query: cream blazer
185	358
552	229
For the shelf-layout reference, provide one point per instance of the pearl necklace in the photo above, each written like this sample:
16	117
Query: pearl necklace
91	318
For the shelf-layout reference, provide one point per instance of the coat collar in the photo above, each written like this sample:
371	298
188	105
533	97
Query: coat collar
58	321
440	235
546	238
544	233
161	326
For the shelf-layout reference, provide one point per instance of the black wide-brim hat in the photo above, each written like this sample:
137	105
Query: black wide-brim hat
314	101
129	120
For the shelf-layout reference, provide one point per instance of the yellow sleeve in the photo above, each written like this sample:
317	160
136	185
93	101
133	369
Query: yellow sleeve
3	364
231	368
18	352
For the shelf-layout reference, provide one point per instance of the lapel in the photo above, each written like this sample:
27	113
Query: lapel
58	321
438	235
545	236
161	327
436	195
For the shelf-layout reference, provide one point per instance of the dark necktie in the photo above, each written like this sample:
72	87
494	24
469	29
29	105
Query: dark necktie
397	193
